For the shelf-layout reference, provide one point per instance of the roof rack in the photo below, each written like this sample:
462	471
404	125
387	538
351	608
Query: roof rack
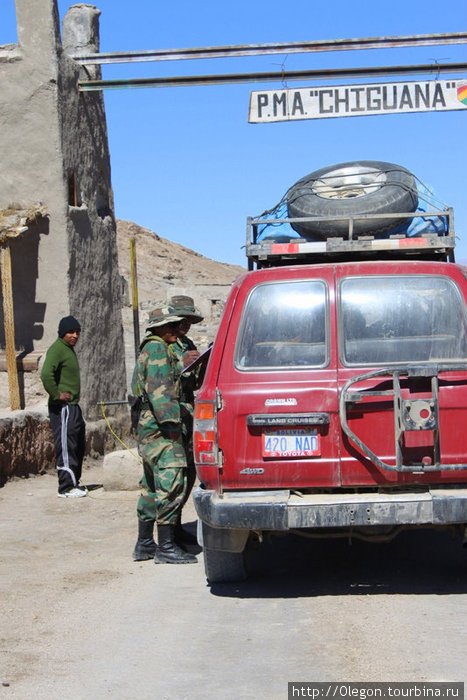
274	250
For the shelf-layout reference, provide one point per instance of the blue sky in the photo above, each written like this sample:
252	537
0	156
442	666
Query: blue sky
186	163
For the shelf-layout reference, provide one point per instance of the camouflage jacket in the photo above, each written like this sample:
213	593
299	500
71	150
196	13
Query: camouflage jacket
189	380
156	378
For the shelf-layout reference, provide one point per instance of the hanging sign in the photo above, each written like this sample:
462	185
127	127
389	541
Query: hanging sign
357	100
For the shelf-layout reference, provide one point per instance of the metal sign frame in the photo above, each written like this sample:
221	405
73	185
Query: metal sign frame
415	40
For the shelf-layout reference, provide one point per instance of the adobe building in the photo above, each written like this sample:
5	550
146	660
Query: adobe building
55	157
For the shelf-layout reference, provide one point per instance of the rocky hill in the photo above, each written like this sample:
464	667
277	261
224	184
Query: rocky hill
165	268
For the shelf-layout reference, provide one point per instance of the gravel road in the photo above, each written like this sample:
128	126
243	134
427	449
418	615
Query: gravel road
80	619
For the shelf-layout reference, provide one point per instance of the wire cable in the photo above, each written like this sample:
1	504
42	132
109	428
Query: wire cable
116	436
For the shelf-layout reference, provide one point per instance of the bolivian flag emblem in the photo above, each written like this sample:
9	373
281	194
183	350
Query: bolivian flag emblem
462	94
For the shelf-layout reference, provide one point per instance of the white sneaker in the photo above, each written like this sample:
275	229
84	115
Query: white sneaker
77	492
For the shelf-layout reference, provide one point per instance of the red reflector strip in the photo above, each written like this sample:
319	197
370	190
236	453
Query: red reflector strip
290	248
284	248
413	242
384	244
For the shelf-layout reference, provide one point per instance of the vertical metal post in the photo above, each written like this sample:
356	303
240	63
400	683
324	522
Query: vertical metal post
9	324
134	295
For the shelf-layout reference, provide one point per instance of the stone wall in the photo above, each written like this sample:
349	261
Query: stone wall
21	429
26	442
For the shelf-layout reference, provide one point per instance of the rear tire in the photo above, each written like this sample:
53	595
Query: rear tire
349	190
224	567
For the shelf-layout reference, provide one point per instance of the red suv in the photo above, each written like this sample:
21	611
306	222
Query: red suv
335	397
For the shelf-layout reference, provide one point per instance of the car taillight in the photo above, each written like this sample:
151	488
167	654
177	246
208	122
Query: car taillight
205	445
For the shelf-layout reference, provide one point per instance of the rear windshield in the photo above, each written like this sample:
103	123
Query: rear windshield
390	320
284	325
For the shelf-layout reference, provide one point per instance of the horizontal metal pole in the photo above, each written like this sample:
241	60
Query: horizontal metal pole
272	48
278	76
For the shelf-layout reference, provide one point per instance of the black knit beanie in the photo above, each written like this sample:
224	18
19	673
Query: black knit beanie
67	325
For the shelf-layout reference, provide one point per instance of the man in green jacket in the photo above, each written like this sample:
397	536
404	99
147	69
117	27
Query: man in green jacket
160	441
61	380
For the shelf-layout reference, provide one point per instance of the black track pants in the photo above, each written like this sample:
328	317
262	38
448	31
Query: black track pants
68	428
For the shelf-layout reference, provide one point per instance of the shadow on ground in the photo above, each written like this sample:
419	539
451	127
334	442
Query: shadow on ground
417	562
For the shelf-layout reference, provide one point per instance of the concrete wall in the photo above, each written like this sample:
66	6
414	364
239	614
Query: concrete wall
54	150
31	171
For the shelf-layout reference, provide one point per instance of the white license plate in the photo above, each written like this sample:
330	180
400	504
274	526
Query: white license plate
291	442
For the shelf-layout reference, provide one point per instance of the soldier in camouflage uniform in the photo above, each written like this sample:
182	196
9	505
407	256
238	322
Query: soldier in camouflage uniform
186	351
160	443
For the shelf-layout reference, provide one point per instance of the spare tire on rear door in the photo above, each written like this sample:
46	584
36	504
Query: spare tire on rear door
349	190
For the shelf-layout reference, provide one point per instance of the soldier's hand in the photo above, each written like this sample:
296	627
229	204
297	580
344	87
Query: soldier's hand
65	396
189	357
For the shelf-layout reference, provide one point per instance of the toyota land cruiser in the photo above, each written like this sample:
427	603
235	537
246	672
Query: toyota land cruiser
335	395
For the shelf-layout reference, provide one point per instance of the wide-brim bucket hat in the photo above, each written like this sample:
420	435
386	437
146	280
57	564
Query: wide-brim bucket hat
185	306
162	315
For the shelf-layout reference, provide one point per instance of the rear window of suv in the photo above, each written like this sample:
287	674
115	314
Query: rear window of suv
391	320
284	326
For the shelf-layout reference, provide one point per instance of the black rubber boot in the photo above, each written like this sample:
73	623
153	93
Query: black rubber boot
167	552
183	536
145	547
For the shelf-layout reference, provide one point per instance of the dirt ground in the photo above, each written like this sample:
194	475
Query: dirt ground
57	557
81	621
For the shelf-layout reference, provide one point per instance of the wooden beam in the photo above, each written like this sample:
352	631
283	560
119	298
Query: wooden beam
9	324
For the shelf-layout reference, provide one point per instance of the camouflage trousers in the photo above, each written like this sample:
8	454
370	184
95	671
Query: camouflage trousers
165	479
